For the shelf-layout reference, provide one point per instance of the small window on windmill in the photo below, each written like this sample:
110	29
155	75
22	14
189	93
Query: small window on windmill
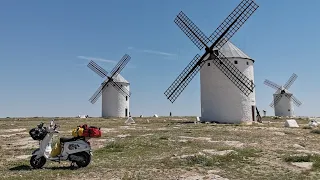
208	64
288	109
126	98
235	62
247	63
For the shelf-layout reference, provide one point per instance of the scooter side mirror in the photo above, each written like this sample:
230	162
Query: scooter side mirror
40	125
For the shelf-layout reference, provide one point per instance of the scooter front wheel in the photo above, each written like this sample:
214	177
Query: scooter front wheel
37	163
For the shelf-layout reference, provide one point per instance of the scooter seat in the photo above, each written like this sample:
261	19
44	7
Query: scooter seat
63	139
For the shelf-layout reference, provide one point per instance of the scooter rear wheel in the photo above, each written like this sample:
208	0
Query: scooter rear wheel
37	163
86	161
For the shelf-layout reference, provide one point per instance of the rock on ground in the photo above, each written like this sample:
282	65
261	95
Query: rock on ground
194	176
304	165
219	153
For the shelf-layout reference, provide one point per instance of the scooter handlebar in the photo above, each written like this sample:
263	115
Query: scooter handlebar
56	126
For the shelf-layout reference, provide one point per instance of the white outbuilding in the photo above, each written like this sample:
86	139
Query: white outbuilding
221	100
114	104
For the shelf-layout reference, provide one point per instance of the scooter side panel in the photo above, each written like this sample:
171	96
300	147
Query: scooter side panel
74	147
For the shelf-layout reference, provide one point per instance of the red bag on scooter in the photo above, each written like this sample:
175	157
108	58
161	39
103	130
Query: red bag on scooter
91	131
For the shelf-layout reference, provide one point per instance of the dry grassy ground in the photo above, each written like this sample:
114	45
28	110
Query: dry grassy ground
164	148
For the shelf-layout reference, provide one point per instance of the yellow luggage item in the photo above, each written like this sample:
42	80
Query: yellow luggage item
77	132
56	150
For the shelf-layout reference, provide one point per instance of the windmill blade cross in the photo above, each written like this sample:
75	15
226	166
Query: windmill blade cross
121	64
290	81
103	73
272	84
191	30
97	69
223	33
120	88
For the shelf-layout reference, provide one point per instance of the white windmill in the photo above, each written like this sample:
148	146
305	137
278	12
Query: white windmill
221	100
283	99
114	90
226	73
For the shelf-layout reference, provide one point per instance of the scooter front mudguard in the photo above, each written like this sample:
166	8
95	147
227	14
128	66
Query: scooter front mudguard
37	152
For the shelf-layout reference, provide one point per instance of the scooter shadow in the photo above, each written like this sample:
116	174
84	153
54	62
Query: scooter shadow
62	168
21	168
29	168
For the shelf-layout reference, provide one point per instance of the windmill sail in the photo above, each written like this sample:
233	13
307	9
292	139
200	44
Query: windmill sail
280	91
110	79
97	69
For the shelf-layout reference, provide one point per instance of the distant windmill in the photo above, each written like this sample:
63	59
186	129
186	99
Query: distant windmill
114	90
222	100
282	98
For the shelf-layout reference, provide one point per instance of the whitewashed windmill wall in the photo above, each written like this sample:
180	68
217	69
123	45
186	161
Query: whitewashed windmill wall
221	100
114	104
284	107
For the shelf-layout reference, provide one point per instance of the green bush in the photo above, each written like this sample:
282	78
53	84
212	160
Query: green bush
300	158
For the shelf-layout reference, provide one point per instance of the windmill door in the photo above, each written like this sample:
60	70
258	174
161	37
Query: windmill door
253	110
126	112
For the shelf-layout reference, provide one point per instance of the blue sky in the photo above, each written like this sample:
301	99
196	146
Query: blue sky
45	46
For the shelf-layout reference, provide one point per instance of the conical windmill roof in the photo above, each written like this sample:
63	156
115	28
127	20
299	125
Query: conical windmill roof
120	79
231	51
